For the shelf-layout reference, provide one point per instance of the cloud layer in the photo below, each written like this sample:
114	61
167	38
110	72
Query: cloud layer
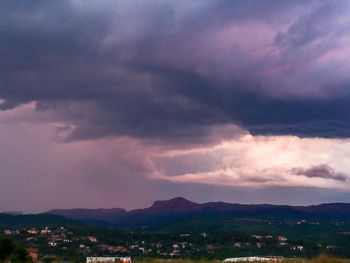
263	162
128	68
212	92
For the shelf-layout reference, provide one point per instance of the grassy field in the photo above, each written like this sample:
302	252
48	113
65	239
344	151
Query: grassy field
319	259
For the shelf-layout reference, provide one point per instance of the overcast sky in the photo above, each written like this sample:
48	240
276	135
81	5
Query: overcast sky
120	103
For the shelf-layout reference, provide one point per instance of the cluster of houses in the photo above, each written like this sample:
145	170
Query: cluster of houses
282	242
61	238
185	244
56	238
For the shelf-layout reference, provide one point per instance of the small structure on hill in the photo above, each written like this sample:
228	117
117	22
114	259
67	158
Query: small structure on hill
253	259
108	260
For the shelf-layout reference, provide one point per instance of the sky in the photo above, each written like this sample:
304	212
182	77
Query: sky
121	103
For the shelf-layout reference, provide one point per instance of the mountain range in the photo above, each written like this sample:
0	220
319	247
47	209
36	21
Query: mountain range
163	213
180	213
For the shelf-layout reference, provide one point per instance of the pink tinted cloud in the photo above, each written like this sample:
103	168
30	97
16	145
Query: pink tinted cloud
265	162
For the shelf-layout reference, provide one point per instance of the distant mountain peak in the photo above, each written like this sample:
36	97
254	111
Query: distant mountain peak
175	203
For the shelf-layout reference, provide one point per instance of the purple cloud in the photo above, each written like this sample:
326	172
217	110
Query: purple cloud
320	171
126	69
149	78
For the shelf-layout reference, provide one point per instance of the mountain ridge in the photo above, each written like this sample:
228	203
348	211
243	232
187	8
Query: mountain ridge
164	212
34	220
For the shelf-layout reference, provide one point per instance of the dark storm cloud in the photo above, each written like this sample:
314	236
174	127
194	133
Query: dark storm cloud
134	68
308	29
259	113
320	171
311	117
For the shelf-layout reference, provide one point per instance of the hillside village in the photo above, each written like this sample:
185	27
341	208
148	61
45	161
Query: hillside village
80	242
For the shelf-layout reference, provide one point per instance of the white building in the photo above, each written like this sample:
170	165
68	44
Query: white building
108	259
252	259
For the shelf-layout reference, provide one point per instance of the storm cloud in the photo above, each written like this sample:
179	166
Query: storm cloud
175	71
139	95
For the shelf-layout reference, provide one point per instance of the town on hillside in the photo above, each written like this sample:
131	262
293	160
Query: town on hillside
78	243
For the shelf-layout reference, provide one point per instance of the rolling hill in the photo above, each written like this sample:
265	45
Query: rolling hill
34	220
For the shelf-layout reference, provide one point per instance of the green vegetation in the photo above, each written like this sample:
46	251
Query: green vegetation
10	252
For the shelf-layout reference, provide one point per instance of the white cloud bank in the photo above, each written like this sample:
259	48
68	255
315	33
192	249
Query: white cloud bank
265	161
